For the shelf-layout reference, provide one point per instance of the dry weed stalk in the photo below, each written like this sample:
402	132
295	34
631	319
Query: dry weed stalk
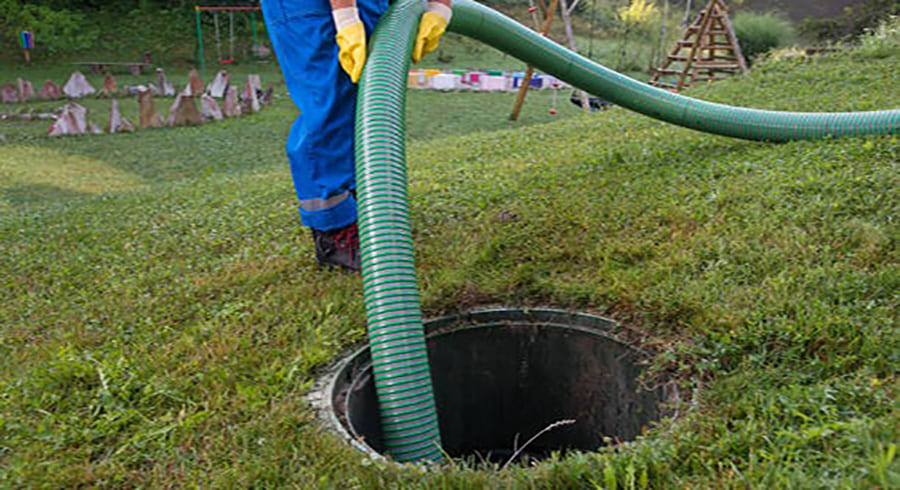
554	425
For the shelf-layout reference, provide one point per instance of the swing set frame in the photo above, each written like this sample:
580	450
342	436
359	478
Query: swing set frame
215	9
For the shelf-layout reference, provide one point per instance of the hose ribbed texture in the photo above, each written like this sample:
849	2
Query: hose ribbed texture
507	35
396	335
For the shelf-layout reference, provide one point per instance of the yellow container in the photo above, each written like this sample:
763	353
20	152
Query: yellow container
416	79
429	77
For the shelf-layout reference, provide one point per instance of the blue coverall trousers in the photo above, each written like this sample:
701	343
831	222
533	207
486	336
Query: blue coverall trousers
320	143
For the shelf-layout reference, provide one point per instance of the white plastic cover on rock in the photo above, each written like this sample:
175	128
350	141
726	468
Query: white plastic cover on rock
251	99
210	108
78	86
219	84
72	120
164	87
117	123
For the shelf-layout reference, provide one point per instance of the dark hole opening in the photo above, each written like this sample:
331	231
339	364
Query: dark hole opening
502	376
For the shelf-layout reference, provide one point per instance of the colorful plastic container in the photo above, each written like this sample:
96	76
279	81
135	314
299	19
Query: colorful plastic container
446	82
494	83
417	79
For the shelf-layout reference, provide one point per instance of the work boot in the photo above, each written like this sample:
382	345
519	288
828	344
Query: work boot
338	248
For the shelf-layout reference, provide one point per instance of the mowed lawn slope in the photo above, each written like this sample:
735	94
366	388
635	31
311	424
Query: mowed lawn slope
163	321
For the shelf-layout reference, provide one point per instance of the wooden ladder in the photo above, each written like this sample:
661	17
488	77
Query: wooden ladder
708	51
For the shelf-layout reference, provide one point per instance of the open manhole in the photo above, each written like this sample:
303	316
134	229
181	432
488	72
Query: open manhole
501	376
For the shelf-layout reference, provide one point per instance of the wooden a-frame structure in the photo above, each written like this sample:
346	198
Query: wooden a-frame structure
708	51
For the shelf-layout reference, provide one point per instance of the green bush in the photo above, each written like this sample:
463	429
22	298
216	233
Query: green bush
757	33
169	34
55	30
880	42
855	21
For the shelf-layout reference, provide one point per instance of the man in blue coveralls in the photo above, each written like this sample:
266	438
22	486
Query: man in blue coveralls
321	46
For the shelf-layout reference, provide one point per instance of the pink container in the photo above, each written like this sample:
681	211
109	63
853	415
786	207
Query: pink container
493	83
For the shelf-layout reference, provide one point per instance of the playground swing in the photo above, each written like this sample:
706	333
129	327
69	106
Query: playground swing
222	57
230	59
555	88
533	10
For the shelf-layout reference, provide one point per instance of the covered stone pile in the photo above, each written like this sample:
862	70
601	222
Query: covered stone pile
195	104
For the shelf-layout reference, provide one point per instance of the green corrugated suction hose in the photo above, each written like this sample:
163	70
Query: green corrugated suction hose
507	35
399	356
396	336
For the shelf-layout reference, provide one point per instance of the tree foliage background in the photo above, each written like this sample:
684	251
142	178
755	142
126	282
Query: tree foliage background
124	27
127	28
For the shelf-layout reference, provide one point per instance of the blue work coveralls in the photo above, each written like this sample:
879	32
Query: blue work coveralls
320	143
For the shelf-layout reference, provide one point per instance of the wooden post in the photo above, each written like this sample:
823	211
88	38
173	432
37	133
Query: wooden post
733	40
526	81
704	27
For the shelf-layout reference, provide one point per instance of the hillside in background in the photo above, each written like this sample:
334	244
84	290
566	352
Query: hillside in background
798	10
167	28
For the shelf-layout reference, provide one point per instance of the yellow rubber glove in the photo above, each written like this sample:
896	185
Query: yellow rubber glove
351	41
431	27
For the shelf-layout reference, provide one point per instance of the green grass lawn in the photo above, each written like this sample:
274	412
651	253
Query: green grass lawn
161	317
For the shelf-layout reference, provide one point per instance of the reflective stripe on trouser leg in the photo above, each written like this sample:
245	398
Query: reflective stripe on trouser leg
320	143
320	204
